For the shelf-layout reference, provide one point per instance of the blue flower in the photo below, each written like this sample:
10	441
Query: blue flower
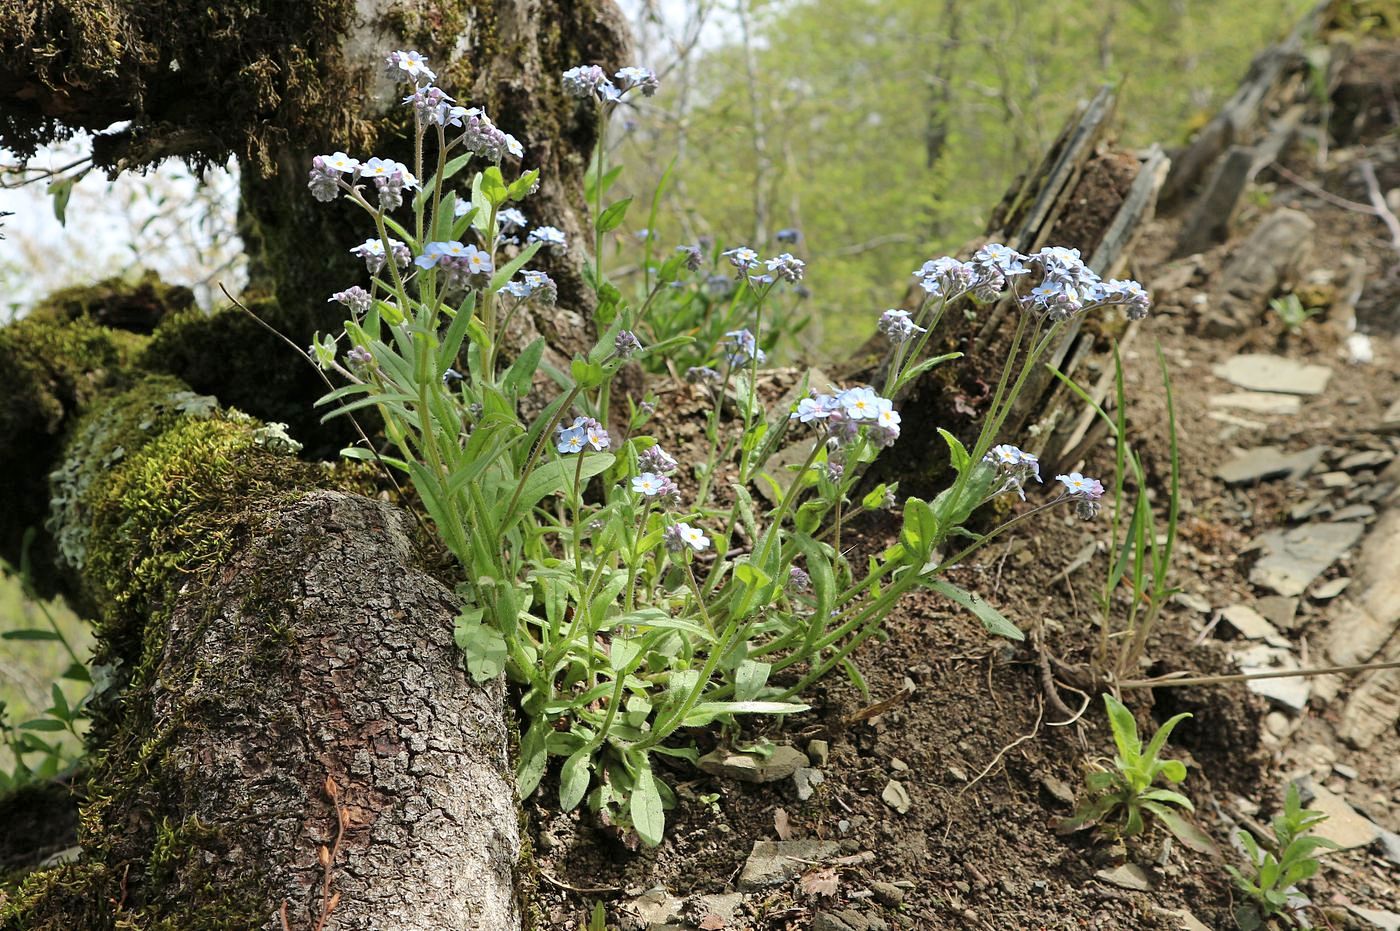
860	403
743	348
412	64
898	326
572	439
548	235
741	257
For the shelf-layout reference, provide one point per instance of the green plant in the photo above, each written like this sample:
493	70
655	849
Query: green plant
626	611
1120	799
1139	556
1291	311
1277	870
62	716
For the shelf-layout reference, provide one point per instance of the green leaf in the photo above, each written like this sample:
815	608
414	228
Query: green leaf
1185	831
750	678
574	777
520	188
1125	733
484	645
558	474
648	814
705	712
958	452
612	216
61	190
493	186
1159	740
587	374
43	724
30	633
533	758
522	370
993	620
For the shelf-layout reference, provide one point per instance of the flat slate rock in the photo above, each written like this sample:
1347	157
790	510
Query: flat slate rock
1259	402
1259	372
746	767
1252	625
1294	558
1289	692
776	861
1343	827
1265	462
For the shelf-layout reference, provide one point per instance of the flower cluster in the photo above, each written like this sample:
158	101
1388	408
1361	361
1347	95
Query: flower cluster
412	64
390	177
356	299
591	81
742	349
459	264
898	326
1085	492
843	414
532	284
372	251
548	236
1014	465
583	433
1065	287
681	536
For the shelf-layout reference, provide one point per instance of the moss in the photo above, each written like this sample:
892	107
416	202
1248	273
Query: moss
132	305
202	80
51	369
230	355
159	477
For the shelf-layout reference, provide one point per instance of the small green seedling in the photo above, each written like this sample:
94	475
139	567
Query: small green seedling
1292	312
1120	799
1274	877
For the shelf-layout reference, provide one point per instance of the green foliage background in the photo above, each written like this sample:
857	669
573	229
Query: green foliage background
886	130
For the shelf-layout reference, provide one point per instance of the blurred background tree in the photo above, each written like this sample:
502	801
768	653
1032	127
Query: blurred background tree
884	131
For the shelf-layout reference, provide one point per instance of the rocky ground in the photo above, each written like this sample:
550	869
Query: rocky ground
936	807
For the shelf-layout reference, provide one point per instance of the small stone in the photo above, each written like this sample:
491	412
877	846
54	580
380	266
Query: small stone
1259	402
1185	920
897	797
746	767
1279	611
888	893
1354	512
656	906
1389	844
1265	462
1127	876
1365	459
1258	372
1278	724
776	861
1291	692
819	751
1194	602
807	779
1057	789
725	905
1326	591
1344	827
1317	505
957	774
1295	557
1251	625
1377	917
1334	479
1345	771
844	826
898	765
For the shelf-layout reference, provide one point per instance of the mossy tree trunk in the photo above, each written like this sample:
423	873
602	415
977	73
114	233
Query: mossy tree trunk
274	83
262	626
